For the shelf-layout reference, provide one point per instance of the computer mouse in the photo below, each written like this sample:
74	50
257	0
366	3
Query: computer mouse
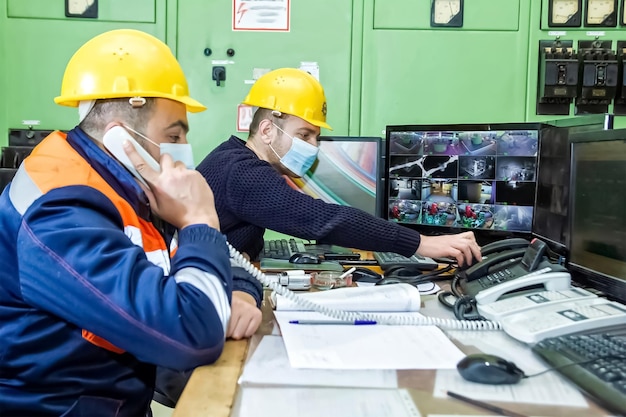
365	275
489	369
304	258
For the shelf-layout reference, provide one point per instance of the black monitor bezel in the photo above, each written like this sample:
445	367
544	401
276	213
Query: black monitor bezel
482	236
568	126
612	287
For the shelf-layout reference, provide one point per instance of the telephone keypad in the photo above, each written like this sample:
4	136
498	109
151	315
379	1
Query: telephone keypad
495	278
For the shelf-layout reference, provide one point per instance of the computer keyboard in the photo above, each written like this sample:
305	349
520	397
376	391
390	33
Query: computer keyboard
388	260
282	248
595	361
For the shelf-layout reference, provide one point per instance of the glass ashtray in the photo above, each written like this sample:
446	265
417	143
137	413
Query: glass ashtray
326	280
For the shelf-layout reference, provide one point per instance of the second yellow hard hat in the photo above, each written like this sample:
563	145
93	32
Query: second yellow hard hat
290	91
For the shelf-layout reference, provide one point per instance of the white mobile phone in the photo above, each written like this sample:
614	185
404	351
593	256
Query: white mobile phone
113	140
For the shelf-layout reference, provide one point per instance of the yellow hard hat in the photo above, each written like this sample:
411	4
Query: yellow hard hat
124	63
290	91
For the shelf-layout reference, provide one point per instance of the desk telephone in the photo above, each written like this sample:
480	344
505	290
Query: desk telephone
509	266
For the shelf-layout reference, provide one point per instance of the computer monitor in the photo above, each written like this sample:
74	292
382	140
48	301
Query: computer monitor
551	218
347	172
451	178
598	211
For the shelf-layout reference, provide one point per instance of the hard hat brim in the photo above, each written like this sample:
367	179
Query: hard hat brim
193	106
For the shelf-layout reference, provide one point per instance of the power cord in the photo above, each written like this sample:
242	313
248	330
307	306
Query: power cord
408	275
463	306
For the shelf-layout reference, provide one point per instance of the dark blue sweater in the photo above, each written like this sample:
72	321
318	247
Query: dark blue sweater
250	196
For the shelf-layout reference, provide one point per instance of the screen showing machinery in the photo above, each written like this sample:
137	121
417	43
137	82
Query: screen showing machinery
598	214
473	177
347	172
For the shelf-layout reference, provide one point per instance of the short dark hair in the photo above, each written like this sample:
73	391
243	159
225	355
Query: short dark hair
104	111
261	114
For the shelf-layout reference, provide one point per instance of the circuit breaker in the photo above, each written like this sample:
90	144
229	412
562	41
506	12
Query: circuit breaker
598	73
558	77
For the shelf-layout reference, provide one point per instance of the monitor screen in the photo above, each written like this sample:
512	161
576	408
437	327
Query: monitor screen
598	211
467	177
347	172
551	219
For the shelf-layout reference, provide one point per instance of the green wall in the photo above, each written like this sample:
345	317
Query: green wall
380	61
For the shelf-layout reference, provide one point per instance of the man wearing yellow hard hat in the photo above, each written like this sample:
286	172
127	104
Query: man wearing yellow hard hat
251	195
104	276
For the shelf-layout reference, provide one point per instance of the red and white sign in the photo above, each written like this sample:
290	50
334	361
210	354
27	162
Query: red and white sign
261	15
244	117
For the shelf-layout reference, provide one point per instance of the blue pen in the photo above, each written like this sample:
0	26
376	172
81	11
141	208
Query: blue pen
349	322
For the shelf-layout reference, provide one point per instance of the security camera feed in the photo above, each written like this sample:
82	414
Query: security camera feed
347	172
463	179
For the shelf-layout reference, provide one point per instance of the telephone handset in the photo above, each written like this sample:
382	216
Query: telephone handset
530	300
494	253
563	318
113	141
511	265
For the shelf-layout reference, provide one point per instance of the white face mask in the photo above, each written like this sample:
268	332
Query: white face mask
300	157
178	151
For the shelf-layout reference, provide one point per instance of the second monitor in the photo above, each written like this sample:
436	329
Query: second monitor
347	172
478	177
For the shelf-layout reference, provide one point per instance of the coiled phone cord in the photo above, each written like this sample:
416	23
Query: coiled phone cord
406	320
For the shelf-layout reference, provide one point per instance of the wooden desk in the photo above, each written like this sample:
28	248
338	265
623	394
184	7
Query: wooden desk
212	389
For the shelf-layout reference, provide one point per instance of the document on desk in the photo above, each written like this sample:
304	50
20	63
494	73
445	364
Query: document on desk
324	402
364	346
269	365
548	389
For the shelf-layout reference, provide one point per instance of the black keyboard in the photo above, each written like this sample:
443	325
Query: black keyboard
388	260
598	363
282	248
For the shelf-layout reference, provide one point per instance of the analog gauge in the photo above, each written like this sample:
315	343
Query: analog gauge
600	13
447	13
564	13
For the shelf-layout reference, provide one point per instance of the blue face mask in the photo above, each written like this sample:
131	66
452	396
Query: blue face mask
178	151
300	157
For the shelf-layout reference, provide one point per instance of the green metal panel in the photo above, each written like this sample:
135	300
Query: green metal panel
501	15
380	62
36	63
3	69
315	35
442	76
109	10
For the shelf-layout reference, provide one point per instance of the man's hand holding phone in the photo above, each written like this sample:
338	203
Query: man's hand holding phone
178	195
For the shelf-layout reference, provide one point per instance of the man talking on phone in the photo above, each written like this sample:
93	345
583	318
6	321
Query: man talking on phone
103	277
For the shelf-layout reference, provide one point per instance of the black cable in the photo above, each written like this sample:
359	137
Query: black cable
403	274
576	363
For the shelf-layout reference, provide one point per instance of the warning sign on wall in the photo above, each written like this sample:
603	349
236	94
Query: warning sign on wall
261	15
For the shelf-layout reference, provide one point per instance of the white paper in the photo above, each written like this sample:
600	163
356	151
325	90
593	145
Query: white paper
324	402
550	389
269	365
397	297
365	347
425	288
